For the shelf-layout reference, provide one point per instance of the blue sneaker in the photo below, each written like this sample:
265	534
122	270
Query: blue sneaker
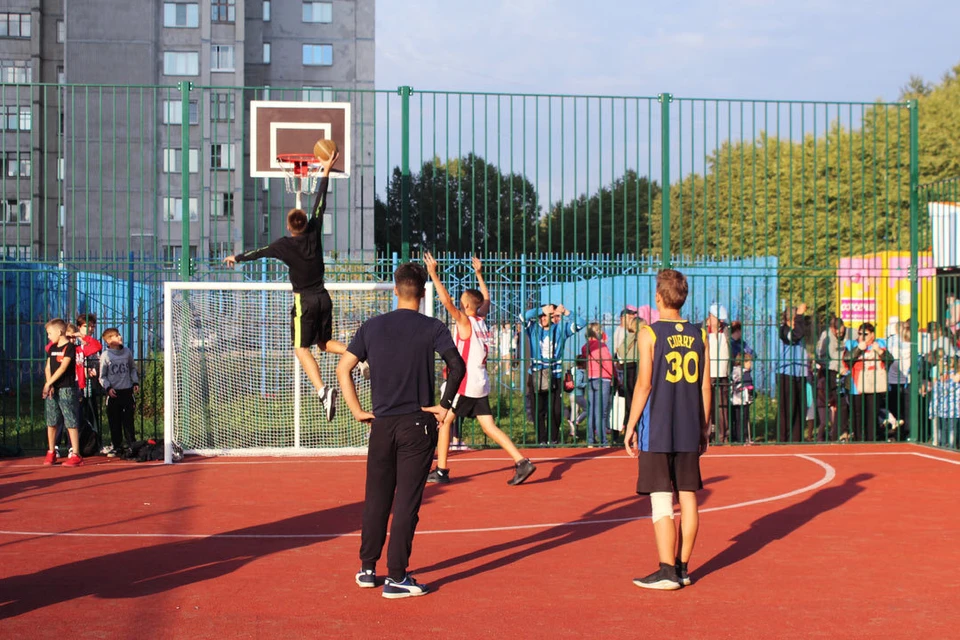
406	588
366	578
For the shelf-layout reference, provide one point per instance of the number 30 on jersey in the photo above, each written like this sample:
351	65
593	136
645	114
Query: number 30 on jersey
683	367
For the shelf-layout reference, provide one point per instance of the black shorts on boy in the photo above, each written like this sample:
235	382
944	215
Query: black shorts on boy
311	318
668	472
467	407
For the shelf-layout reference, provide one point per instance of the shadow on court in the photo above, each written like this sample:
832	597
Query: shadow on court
780	524
598	520
145	571
44	477
558	466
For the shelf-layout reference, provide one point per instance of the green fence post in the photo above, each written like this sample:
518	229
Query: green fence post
405	180
665	100
185	88
913	108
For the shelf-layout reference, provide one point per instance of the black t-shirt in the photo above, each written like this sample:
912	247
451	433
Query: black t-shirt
303	254
56	357
399	347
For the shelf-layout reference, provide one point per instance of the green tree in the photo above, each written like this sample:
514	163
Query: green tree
614	220
465	205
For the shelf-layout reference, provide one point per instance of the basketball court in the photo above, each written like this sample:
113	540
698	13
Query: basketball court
830	541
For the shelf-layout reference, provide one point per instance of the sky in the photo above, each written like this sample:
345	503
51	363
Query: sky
845	50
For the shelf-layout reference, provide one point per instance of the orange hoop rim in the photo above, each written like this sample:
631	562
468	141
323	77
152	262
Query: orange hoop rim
299	164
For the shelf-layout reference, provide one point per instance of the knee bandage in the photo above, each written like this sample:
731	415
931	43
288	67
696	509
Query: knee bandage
661	505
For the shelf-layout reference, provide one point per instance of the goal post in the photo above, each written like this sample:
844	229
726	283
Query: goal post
231	382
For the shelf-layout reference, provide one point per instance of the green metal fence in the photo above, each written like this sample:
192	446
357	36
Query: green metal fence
770	203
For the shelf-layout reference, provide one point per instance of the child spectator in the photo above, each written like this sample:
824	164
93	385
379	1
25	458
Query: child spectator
741	397
60	393
578	409
119	377
600	375
946	402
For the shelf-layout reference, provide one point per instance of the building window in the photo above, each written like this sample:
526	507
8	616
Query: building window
181	63
266	53
266	10
17	211
318	94
18	251
181	15
14	25
221	156
173	209
14	71
221	205
61	75
171	160
15	118
223	10
173	112
16	165
222	107
171	254
61	169
318	55
221	57
61	31
318	12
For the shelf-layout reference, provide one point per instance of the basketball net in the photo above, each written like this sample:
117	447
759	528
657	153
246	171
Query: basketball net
301	172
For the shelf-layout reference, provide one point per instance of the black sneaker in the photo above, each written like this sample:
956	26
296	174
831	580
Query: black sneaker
525	469
681	568
406	588
366	578
438	475
663	579
329	401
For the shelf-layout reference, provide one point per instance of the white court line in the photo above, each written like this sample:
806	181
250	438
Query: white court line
504	459
928	456
829	474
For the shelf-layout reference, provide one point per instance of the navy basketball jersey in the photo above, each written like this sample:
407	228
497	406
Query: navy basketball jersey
671	419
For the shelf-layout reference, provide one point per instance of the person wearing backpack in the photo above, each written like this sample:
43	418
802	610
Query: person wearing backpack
120	380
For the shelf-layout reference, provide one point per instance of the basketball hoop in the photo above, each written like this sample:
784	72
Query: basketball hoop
301	172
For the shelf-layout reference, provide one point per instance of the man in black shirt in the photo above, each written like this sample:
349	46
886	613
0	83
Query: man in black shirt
400	348
311	320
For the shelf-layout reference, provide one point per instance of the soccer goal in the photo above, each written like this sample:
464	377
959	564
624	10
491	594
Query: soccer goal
231	383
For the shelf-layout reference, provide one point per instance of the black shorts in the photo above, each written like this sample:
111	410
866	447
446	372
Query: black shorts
466	407
311	319
668	472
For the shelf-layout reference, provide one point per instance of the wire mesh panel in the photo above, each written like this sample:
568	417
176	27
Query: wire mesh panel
232	385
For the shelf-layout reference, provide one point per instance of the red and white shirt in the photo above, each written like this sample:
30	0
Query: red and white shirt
473	350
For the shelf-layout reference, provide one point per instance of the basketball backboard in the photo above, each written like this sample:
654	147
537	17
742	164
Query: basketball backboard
294	127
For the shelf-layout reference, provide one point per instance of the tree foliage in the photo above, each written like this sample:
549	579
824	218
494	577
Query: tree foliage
463	206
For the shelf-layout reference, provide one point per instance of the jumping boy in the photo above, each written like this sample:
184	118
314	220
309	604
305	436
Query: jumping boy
473	341
674	376
60	393
311	315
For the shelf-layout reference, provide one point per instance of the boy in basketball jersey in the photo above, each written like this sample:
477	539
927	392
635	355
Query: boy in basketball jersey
671	402
311	315
473	342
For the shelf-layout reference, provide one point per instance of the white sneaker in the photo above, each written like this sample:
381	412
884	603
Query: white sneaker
329	401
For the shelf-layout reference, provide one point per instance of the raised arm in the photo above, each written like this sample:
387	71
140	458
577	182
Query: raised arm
485	306
320	202
462	322
272	250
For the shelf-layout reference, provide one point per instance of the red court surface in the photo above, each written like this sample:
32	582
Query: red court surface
829	541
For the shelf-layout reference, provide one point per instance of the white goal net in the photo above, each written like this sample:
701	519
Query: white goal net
232	385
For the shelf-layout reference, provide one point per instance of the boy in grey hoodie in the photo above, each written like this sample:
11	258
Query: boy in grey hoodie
118	375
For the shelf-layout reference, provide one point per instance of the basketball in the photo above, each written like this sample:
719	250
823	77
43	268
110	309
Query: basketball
325	149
